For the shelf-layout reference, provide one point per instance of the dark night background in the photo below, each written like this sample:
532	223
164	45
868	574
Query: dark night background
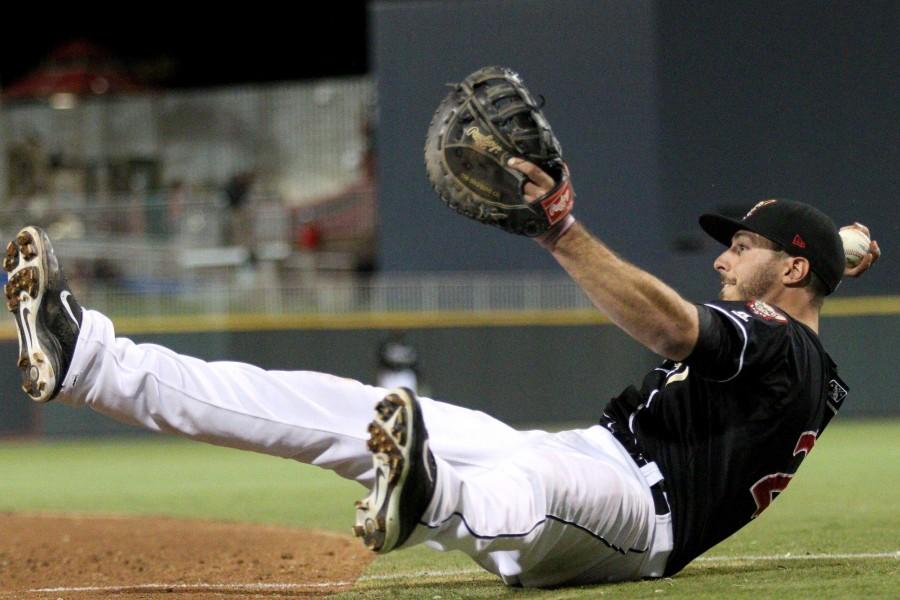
175	50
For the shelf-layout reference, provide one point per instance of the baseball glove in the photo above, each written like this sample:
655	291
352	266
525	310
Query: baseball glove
483	122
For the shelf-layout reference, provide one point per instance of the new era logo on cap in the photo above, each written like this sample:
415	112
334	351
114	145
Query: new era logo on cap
798	241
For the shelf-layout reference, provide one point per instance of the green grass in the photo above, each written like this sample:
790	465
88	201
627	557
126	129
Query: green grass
845	500
161	475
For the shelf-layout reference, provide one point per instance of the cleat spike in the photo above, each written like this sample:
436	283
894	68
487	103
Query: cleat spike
358	531
385	410
396	468
29	281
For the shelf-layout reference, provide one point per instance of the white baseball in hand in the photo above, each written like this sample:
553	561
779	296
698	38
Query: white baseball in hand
856	245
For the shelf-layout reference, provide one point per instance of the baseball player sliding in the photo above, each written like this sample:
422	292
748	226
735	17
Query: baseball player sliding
674	466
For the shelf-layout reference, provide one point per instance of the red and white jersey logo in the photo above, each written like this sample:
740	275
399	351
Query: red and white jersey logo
765	311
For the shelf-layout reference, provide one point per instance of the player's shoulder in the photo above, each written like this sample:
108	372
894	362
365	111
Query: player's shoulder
738	337
750	312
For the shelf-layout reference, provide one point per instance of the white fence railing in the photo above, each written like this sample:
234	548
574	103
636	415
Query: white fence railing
408	293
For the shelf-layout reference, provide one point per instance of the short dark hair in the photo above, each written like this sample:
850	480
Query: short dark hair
812	281
818	288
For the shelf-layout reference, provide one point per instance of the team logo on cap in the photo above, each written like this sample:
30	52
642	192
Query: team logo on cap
758	206
764	311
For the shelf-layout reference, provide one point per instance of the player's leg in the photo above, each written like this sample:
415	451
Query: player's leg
312	417
569	507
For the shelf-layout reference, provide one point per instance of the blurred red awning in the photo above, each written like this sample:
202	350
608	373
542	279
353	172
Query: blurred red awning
80	68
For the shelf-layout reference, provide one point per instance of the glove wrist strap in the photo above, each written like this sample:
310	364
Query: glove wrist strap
549	239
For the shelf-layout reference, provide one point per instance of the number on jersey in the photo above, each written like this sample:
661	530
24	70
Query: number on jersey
767	488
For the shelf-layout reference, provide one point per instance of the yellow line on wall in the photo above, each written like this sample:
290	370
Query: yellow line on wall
862	306
358	320
838	307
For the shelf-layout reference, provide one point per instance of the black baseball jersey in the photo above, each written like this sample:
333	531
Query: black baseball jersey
729	426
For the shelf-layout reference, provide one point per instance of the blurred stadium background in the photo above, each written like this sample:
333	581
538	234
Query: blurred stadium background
244	194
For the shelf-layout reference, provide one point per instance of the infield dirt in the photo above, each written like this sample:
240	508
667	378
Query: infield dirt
83	557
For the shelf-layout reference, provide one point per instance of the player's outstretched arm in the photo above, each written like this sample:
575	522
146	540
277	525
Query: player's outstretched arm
640	304
637	302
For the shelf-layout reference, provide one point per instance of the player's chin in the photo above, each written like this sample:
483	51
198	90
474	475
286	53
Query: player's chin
729	293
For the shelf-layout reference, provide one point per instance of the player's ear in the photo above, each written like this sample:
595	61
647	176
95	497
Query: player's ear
795	270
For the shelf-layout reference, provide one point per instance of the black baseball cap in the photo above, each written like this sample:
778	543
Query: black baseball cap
800	230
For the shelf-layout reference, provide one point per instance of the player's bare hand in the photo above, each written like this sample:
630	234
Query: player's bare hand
869	259
539	182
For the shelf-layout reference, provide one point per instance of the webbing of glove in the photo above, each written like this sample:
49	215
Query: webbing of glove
503	103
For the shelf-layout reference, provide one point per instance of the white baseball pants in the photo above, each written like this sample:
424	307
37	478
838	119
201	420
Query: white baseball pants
535	508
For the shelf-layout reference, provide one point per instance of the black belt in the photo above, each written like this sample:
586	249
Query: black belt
660	502
630	443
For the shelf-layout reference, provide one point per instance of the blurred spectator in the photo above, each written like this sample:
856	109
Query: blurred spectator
308	236
177	197
106	272
397	363
239	224
28	165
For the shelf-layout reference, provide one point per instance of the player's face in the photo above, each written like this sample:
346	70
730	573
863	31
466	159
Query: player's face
750	269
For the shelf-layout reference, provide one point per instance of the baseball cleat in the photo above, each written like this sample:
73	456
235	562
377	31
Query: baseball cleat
48	318
404	473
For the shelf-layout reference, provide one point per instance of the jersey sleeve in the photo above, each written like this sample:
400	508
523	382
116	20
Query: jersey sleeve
737	338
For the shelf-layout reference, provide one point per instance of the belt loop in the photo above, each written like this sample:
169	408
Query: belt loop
651	473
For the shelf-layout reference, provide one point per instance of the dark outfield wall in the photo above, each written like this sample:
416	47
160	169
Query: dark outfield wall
594	63
520	374
664	109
